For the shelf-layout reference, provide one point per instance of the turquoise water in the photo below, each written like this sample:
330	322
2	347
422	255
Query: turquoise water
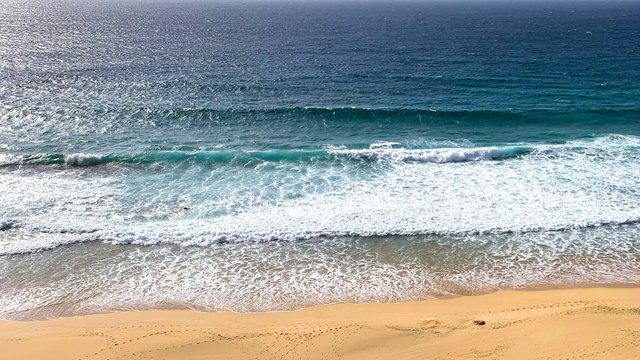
257	157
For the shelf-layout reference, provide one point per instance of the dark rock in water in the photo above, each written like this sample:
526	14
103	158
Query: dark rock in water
5	225
479	322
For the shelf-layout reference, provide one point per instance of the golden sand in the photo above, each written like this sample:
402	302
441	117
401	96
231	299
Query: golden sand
589	323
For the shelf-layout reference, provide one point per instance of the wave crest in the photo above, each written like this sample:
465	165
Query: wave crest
379	151
435	155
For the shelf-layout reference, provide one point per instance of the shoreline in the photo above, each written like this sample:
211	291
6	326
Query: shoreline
602	321
533	288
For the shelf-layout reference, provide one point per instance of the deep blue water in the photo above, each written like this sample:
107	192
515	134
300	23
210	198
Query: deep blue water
259	156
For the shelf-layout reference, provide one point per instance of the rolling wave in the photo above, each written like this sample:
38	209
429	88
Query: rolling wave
169	156
499	190
254	157
435	155
376	152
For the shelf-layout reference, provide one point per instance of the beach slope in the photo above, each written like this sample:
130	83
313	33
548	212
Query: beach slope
597	323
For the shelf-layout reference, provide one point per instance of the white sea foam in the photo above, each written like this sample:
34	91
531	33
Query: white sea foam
383	145
289	275
387	153
8	147
81	159
478	225
554	187
9	159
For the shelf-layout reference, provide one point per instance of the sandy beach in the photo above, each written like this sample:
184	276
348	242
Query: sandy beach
592	323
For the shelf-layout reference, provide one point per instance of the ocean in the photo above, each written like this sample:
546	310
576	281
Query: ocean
261	156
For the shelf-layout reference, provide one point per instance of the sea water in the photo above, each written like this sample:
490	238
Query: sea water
258	156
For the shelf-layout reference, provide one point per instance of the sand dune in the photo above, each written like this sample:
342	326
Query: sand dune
601	323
